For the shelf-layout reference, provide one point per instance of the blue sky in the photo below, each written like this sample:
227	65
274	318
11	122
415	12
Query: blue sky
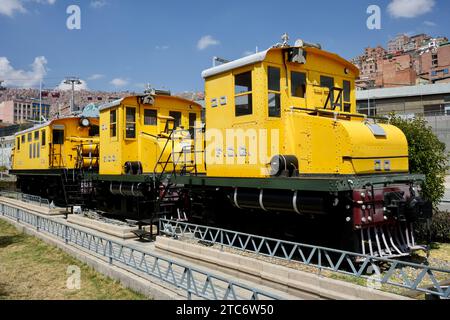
124	44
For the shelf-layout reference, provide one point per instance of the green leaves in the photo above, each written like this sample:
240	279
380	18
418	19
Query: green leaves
427	155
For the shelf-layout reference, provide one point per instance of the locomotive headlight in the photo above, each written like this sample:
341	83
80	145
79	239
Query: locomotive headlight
275	166
85	122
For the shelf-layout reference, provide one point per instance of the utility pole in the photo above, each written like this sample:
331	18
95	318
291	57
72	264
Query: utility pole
73	81
40	101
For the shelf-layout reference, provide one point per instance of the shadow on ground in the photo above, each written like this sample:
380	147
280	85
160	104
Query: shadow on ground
6	241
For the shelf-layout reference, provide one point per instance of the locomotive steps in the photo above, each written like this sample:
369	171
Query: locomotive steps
280	281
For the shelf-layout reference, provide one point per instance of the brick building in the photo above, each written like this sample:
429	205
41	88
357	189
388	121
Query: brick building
408	61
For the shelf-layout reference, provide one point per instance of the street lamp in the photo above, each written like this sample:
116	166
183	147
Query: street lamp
72	81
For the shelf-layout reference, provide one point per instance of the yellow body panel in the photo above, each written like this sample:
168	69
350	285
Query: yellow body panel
324	141
35	149
149	140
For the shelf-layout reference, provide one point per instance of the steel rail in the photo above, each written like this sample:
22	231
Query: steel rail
345	262
194	281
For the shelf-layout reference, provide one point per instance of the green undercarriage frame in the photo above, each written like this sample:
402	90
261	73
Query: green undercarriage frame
323	183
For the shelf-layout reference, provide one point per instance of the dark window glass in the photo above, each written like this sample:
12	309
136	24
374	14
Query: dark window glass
243	82
113	123
94	131
44	138
328	82
150	117
274	105
192	119
176	118
58	136
243	99
130	123
18	144
273	79
38	150
298	84
243	105
23	139
346	91
29	137
31	151
36	135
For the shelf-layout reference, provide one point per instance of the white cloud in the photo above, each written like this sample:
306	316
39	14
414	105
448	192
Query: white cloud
119	82
430	23
9	7
410	8
162	47
96	77
22	78
78	87
98	4
207	41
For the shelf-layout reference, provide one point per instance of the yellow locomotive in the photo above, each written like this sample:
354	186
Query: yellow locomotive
282	149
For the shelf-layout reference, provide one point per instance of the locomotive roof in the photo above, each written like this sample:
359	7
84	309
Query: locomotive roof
261	56
43	125
118	102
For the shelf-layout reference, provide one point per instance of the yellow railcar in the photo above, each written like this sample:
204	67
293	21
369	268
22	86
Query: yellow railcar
149	134
49	157
57	144
296	103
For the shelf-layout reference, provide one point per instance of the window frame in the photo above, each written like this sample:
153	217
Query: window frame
156	117
126	137
274	92
249	94
113	124
346	103
43	138
305	73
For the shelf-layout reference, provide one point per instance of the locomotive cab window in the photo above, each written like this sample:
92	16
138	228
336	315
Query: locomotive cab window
43	138
23	139
298	84
192	119
29	137
347	102
176	117
58	136
243	94
130	126
328	82
18	144
273	79
150	117
94	131
113	123
36	135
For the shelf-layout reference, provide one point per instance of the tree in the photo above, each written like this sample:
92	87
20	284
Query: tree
427	155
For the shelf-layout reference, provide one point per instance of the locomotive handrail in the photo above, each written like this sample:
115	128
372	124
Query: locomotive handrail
194	281
322	258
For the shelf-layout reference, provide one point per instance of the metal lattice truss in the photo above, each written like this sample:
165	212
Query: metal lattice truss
195	282
406	275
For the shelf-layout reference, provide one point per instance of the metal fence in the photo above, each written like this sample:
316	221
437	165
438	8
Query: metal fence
398	273
194	281
25	198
